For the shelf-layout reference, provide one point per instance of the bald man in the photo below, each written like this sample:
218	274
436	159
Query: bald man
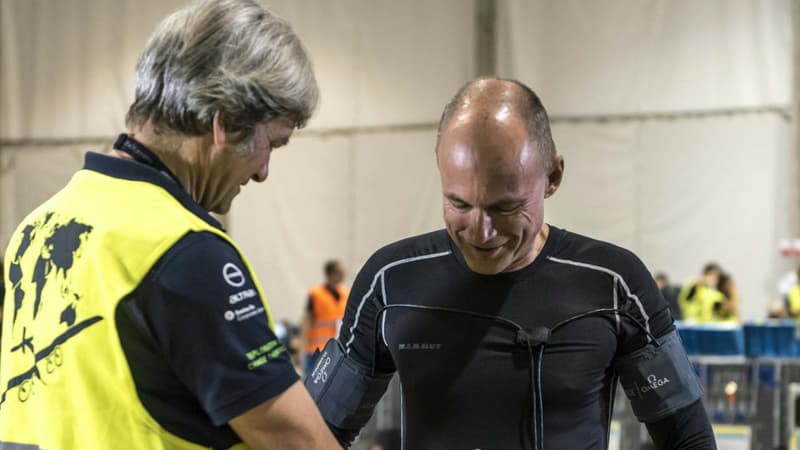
506	332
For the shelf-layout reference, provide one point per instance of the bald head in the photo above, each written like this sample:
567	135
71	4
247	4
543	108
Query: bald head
497	165
486	102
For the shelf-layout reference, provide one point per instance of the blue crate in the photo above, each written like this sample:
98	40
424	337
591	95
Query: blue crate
755	341
712	339
772	339
689	337
726	341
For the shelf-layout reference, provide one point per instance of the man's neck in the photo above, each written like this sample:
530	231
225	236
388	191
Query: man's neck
181	155
538	244
540	240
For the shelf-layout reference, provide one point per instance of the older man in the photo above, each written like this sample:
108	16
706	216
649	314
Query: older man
507	332
133	319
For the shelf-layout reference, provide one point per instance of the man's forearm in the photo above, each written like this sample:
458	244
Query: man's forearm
345	437
688	428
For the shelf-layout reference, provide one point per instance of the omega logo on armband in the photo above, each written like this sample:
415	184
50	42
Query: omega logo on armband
653	383
320	373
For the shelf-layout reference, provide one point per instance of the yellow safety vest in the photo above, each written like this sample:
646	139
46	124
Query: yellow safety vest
794	301
64	378
700	307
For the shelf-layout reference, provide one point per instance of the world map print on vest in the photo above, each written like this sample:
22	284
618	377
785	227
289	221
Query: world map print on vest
46	307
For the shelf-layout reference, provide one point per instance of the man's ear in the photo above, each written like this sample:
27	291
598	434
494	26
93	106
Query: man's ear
556	176
218	132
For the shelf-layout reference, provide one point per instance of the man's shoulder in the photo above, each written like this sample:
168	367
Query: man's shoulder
422	246
578	249
204	241
202	252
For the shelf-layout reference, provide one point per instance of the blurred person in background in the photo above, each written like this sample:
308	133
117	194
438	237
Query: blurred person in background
727	309
697	298
791	300
670	293
290	336
776	309
136	321
324	311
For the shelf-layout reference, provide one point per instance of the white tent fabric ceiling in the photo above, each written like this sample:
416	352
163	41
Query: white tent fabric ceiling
671	116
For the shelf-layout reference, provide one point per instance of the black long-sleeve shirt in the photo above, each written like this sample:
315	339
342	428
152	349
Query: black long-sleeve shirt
466	380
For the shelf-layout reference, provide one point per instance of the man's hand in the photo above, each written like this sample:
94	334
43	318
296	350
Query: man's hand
290	421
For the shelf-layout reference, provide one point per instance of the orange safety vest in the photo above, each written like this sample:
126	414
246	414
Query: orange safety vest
327	313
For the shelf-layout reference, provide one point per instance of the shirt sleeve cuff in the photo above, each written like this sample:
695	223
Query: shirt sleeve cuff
280	382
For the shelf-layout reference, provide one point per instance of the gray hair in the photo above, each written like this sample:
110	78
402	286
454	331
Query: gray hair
228	56
527	105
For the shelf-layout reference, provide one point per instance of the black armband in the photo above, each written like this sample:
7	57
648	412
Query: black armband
659	381
345	392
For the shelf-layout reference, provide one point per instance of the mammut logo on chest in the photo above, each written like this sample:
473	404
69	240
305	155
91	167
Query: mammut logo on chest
419	346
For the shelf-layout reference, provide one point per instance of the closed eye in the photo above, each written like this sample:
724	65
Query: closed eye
460	205
506	208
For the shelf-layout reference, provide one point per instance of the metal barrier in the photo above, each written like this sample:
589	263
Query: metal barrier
747	371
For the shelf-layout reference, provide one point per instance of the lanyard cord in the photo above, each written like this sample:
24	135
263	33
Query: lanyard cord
523	337
600	311
144	155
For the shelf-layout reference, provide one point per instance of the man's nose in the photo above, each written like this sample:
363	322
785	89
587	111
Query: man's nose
483	228
262	173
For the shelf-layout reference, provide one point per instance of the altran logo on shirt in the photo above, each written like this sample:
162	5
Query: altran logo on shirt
242	295
653	383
